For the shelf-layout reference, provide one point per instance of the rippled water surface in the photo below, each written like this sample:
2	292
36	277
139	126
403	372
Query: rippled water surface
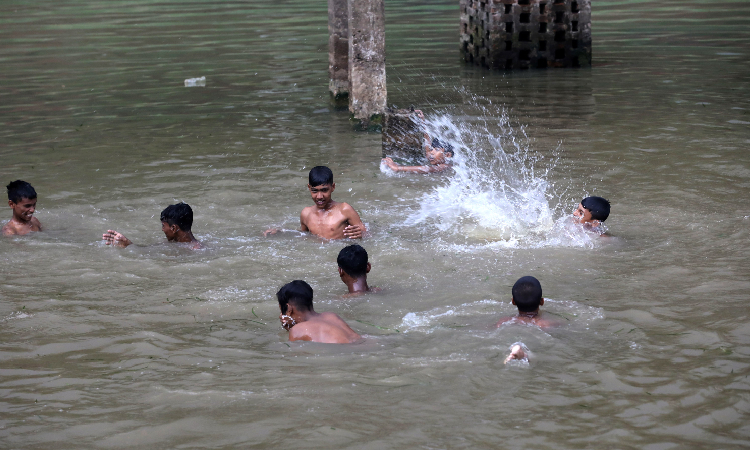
157	346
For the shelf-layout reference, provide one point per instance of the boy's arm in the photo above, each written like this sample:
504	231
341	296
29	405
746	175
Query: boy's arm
415	169
303	221
356	229
115	238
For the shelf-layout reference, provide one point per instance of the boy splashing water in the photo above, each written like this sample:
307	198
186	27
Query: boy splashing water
22	200
591	213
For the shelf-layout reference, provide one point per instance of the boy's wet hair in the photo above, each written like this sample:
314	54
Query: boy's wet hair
19	190
527	293
297	292
180	214
598	206
353	260
447	148
320	175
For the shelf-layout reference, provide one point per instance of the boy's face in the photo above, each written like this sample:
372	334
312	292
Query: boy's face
321	194
582	214
435	156
170	231
24	209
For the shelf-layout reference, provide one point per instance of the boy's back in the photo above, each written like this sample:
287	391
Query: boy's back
325	327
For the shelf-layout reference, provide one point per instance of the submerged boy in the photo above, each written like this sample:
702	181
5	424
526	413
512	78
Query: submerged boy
353	269
176	221
304	324
327	219
591	213
22	200
527	296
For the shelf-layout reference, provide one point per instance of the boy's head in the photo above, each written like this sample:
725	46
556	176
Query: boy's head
527	294
22	200
352	261
320	175
19	190
447	147
592	208
175	218
298	294
321	186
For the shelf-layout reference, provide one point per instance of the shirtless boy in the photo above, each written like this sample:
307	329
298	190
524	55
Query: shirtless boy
353	269
527	296
436	153
22	200
176	221
304	324
327	219
591	213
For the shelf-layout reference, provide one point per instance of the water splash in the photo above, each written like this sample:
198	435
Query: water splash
499	193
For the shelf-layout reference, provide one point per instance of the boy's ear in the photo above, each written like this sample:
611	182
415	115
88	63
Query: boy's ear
512	301
541	302
11	203
290	309
341	272
368	268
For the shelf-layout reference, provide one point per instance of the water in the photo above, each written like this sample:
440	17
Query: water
158	346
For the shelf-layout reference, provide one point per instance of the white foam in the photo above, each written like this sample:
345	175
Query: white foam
498	194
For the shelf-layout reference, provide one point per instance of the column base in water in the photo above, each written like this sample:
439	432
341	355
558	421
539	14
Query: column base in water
403	135
367	90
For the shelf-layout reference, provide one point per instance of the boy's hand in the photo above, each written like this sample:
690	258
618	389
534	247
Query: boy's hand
270	231
389	162
515	353
112	237
354	231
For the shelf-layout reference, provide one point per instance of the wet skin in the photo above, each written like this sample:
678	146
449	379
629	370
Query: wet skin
173	233
23	220
309	325
329	219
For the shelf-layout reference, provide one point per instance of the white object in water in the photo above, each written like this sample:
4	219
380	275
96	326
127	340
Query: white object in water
192	82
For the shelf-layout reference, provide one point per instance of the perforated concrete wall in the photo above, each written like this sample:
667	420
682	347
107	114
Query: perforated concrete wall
526	34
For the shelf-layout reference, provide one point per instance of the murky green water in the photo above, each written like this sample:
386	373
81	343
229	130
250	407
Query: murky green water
157	346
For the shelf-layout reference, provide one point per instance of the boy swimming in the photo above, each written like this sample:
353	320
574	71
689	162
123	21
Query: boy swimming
527	296
304	324
353	269
327	219
591	213
22	200
176	221
436	153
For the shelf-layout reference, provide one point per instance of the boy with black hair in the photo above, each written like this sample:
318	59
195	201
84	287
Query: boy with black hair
176	221
527	296
591	213
353	269
435	151
304	324
22	200
327	219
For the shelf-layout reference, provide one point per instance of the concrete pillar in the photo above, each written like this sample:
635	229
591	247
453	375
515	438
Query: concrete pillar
526	34
338	48
367	92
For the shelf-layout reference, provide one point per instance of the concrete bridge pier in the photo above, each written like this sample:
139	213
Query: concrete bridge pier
367	89
338	51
